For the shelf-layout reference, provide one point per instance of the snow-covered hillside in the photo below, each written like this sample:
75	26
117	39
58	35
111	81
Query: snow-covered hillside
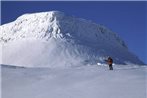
79	82
53	39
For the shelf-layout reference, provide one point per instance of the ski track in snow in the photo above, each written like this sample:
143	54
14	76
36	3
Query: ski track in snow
78	82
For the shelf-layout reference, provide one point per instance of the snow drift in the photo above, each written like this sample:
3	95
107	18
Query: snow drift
53	39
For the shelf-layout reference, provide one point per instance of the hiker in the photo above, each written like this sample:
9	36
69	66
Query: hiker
110	62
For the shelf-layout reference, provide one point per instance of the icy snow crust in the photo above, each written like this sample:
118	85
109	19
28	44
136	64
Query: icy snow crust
51	39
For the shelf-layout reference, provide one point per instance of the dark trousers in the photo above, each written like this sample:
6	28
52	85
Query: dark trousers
110	67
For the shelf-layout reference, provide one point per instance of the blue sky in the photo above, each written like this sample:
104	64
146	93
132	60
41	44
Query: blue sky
128	19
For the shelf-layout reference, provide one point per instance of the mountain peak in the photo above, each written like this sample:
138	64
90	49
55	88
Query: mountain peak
45	14
66	38
34	25
45	25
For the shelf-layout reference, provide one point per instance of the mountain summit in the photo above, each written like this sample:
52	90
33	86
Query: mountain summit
51	39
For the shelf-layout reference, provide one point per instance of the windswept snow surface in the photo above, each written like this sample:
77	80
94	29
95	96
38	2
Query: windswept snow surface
78	82
53	39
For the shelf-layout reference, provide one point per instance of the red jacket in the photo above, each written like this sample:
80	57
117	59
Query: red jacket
109	61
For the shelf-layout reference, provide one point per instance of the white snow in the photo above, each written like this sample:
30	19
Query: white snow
125	81
53	55
53	39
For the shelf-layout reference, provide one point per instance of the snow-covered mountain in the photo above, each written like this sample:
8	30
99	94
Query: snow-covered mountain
53	39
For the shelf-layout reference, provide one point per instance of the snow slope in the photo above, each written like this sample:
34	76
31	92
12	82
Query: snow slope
53	39
78	82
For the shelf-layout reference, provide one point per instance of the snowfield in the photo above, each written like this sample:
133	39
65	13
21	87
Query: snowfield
59	56
79	82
